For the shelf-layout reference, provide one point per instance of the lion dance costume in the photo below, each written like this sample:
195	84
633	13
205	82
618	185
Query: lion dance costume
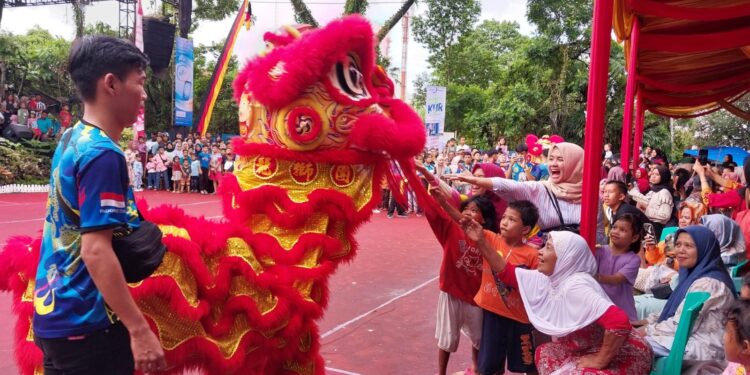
319	127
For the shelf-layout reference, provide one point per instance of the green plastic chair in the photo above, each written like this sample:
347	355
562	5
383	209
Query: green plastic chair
735	271
672	365
737	284
666	232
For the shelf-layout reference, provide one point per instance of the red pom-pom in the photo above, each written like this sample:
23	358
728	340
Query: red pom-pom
556	139
531	139
535	149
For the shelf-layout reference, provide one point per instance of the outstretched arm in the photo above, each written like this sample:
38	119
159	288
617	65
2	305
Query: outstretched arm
442	200
475	232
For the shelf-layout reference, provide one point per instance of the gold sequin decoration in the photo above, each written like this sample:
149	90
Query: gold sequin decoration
30	334
304	288
305	342
264	299
237	247
171	230
174	330
267	261
28	294
316	223
311	258
295	366
174	267
339	234
360	190
272	332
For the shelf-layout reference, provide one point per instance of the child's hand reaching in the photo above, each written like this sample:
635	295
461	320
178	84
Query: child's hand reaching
438	194
473	230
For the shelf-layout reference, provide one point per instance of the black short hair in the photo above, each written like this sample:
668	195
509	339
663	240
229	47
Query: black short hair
619	184
92	57
529	212
739	314
636	224
522	148
487	208
682	178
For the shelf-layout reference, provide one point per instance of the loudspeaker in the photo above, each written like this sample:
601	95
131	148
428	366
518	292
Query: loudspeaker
17	132
158	42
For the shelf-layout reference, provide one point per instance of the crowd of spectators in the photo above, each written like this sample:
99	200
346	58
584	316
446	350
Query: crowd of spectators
45	123
189	164
515	270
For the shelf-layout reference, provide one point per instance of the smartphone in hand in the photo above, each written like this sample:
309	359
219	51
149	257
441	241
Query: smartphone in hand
650	230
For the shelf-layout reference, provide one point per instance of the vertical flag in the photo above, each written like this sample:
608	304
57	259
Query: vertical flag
435	115
244	16
139	127
183	83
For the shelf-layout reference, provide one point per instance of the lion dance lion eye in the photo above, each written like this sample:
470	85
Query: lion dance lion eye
347	77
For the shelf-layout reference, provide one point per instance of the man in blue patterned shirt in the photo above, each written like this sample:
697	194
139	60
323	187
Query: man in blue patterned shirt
85	320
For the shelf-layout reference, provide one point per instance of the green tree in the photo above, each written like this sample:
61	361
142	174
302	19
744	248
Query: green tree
100	28
36	63
722	128
224	116
440	29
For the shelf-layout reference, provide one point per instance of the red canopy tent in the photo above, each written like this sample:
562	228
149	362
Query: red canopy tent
685	58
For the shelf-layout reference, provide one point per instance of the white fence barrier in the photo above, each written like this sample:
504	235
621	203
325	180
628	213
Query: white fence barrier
20	188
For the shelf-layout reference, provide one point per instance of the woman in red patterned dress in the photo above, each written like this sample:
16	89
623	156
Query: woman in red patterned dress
563	300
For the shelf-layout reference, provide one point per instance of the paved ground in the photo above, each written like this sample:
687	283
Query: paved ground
381	315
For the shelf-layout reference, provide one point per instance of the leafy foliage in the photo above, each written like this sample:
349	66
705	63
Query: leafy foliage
214	10
36	62
501	82
442	26
224	118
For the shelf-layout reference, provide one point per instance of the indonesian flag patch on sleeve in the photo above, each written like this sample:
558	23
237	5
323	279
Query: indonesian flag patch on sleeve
112	200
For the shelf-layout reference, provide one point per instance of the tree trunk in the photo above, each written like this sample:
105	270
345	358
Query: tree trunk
2	5
302	13
80	17
23	81
391	22
2	75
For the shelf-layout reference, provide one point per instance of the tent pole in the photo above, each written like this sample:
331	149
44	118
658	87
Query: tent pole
596	104
638	142
632	86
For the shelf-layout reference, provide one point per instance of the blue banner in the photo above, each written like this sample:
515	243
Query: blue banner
183	83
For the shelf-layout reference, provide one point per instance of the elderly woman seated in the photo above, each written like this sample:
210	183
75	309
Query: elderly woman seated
701	269
563	300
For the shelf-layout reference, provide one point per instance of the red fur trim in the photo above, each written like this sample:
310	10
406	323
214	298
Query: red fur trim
402	135
307	61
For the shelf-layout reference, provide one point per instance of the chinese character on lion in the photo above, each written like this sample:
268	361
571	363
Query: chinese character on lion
319	126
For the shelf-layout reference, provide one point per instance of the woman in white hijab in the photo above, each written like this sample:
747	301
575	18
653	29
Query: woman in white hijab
563	300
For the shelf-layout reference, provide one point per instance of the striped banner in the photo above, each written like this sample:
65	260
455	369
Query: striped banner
217	78
139	127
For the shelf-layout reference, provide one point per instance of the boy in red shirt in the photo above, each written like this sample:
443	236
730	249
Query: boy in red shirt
460	271
64	117
506	330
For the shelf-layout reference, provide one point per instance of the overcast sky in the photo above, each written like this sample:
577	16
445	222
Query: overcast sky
270	14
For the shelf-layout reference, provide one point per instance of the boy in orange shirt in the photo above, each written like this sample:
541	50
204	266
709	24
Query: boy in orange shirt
506	330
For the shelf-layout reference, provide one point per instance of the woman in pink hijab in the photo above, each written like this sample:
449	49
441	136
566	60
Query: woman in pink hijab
480	170
558	199
489	170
